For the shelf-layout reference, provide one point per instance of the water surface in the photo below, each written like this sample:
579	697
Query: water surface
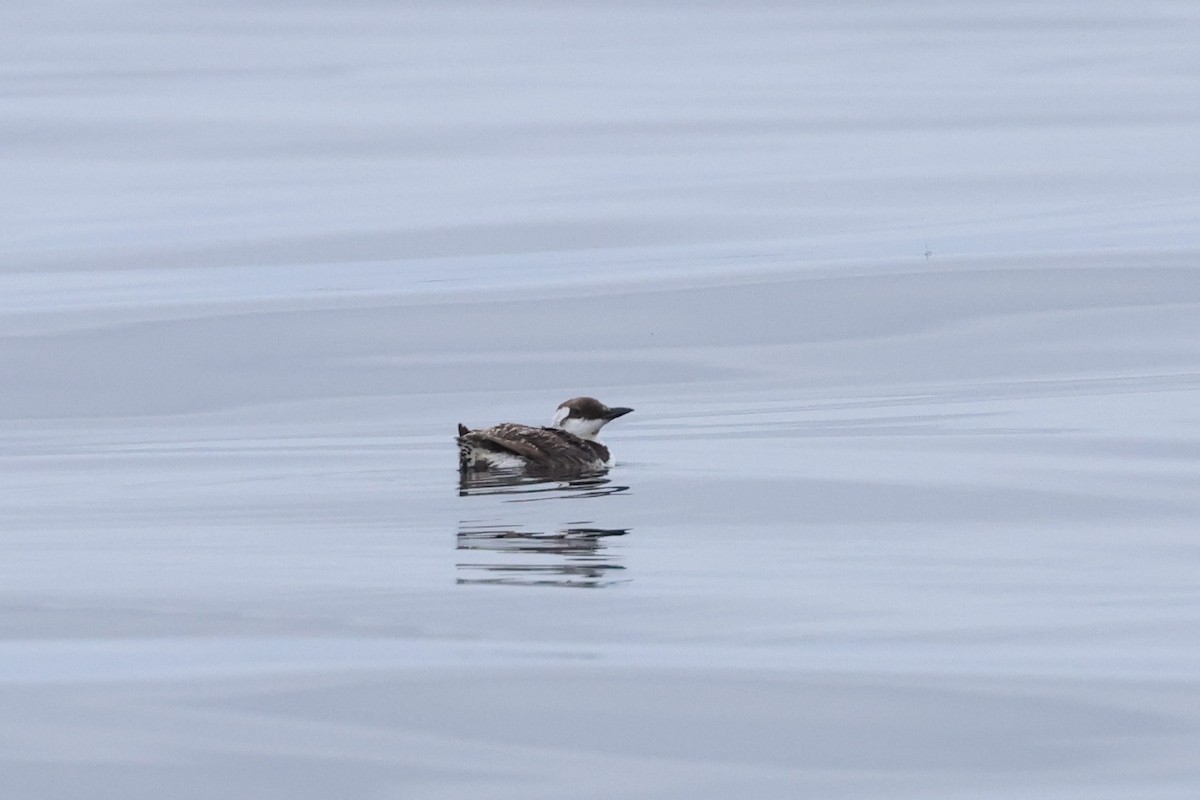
905	300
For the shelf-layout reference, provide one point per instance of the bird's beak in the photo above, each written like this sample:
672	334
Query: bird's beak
613	413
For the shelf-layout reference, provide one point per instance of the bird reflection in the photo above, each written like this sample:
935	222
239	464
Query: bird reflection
525	487
576	556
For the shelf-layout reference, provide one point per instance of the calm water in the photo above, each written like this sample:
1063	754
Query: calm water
905	299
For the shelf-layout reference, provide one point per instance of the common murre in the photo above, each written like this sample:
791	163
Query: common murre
568	447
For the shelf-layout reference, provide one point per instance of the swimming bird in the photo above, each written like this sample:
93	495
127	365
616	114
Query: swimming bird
567	447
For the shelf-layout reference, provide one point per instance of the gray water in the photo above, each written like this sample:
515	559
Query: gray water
905	299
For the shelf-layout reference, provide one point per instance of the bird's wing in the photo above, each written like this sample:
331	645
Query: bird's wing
541	446
535	444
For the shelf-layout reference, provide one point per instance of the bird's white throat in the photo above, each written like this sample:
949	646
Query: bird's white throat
583	428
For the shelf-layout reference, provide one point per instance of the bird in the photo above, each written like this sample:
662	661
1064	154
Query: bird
568	446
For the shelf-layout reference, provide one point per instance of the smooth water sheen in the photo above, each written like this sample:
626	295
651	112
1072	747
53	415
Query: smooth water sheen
906	300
